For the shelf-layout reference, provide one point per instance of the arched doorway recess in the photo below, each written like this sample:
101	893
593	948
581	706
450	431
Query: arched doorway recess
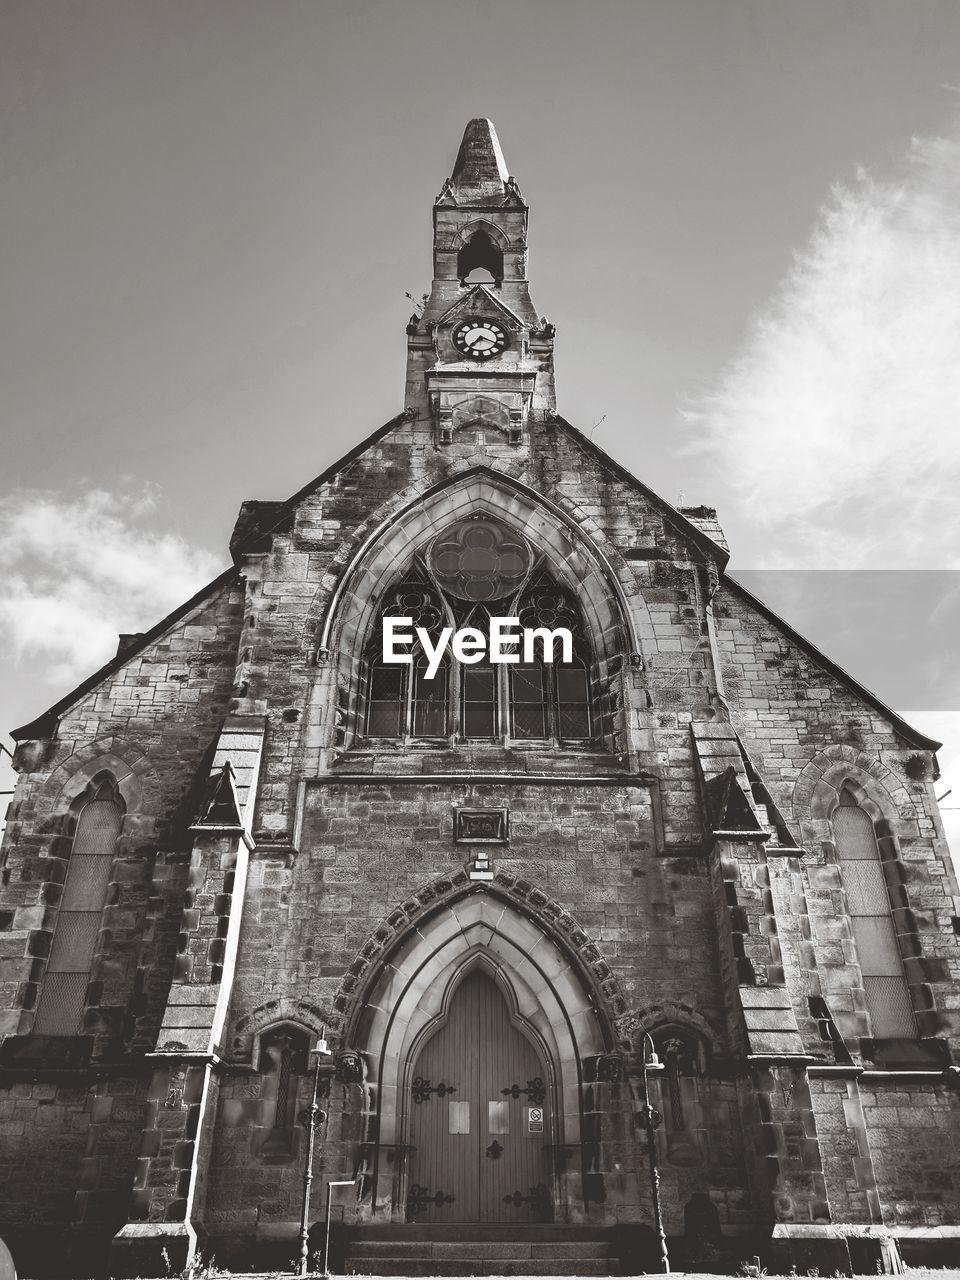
544	1000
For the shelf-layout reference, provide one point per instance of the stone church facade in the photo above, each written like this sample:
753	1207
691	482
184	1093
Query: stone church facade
487	889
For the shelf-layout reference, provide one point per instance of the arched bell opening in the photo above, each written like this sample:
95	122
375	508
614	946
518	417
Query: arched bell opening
480	260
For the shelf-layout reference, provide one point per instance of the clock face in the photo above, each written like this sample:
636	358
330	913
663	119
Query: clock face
480	339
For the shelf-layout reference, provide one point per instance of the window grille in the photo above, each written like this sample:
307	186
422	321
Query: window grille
63	994
479	703
429	710
529	700
573	701
553	700
881	965
385	701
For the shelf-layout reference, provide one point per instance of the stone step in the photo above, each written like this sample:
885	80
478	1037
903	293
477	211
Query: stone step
524	1233
478	1249
478	1266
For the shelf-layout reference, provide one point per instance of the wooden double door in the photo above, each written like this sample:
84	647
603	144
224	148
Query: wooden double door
479	1109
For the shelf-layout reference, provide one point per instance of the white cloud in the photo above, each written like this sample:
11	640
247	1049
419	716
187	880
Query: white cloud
839	422
81	567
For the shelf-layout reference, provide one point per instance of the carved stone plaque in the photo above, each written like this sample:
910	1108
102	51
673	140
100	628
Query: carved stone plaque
481	826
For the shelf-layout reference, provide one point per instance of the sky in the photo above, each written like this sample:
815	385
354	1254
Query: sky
745	225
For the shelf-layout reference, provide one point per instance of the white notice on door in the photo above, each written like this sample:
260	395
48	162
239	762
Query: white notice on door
459	1117
535	1119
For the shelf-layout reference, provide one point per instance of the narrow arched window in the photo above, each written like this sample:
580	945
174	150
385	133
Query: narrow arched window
283	1053
682	1055
62	1000
881	964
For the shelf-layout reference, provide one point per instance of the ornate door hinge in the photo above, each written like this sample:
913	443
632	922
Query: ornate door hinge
536	1091
420	1199
422	1089
537	1200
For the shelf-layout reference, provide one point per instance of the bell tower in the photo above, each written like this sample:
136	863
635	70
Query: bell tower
479	358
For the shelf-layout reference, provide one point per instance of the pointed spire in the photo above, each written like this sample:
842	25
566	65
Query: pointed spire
480	169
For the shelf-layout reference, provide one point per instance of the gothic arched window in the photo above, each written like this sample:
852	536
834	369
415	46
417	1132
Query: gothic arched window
881	964
682	1054
473	571
63	995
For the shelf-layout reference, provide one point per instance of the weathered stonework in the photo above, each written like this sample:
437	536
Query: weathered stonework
280	872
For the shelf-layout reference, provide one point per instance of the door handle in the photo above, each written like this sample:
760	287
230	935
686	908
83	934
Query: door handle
494	1151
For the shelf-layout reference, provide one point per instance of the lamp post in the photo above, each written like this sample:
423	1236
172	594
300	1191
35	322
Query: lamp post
652	1121
311	1116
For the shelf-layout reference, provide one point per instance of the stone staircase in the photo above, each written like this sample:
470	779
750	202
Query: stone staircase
478	1250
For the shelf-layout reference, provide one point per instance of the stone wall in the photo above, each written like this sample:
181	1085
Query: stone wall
68	1155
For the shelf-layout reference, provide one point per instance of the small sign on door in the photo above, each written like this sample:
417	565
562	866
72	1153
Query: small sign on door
535	1119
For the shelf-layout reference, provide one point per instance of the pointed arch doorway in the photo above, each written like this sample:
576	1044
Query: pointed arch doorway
398	1011
480	1114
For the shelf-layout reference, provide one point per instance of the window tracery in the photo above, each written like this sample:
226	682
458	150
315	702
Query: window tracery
474	570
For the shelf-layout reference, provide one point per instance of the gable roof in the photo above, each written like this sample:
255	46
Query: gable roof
897	722
266	518
681	523
45	724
